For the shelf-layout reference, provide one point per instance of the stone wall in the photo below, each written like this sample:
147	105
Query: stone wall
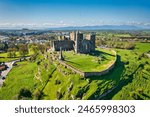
88	74
76	42
71	67
64	44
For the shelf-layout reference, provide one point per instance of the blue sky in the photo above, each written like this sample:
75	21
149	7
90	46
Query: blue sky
60	13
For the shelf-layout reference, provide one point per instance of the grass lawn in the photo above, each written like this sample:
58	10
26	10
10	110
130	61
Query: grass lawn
52	88
3	56
98	61
7	59
81	88
23	76
17	54
134	80
142	47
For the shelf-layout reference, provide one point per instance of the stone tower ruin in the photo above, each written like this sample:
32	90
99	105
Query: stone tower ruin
76	42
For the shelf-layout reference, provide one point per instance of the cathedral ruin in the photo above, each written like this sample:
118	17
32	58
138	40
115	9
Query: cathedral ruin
77	42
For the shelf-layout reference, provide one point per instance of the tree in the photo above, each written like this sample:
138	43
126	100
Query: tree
24	93
35	50
47	44
11	52
2	46
23	49
42	48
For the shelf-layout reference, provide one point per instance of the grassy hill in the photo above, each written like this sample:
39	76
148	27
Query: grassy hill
135	78
130	79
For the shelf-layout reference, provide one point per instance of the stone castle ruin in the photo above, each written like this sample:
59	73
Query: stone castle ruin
76	42
80	44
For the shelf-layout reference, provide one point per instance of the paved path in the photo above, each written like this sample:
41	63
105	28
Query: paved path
10	66
5	72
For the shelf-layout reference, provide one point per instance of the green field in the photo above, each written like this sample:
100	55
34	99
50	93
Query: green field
4	56
25	78
7	59
130	77
27	75
72	86
122	35
135	77
97	61
61	84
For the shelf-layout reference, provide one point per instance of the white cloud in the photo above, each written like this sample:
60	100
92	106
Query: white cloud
72	23
32	25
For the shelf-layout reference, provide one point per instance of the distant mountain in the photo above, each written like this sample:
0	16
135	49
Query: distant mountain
103	27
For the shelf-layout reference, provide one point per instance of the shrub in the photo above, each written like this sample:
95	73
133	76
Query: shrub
126	62
38	62
57	82
25	93
59	95
140	91
33	57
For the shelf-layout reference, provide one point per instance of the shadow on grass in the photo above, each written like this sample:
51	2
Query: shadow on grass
98	53
120	85
114	76
145	95
47	83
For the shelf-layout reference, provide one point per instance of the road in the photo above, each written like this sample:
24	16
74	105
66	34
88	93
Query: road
10	66
5	72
